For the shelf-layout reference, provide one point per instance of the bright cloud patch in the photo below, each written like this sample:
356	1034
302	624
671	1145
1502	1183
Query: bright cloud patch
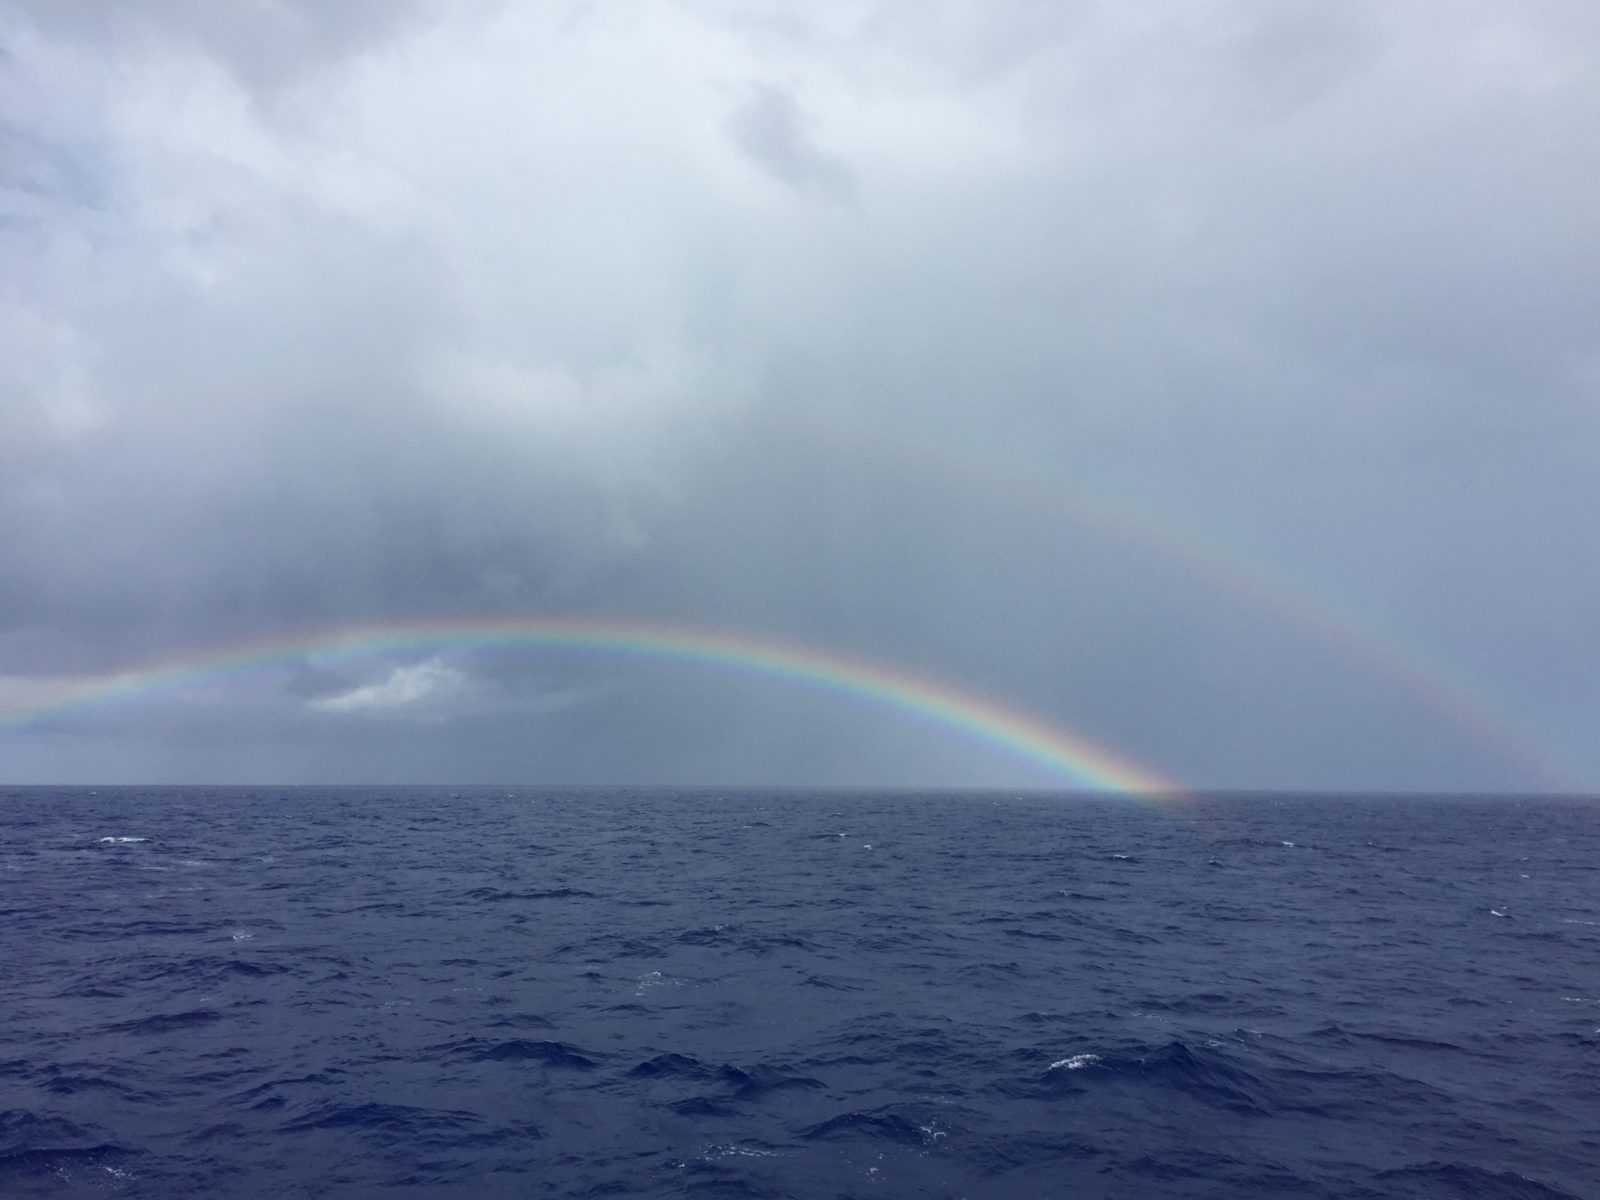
405	686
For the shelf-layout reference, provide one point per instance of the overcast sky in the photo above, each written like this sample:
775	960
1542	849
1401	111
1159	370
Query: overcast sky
1217	380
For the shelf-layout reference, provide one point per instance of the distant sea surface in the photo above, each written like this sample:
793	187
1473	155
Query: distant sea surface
521	992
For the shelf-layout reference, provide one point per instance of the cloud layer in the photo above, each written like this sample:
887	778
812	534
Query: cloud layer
1216	380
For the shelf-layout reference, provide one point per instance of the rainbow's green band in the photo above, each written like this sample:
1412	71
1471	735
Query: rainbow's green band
1066	756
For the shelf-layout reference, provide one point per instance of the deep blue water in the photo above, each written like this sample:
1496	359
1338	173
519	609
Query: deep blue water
365	992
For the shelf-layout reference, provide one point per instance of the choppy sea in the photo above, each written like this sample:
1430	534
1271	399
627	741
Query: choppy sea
520	992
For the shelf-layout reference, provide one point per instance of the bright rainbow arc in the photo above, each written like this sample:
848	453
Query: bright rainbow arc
1066	755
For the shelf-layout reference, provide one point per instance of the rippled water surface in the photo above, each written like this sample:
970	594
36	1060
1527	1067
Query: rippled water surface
497	993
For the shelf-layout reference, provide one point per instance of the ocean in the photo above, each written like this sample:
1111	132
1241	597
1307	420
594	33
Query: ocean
507	992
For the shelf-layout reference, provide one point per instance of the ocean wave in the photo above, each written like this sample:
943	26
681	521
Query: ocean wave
501	895
162	1023
889	1123
406	1124
521	1050
1464	1180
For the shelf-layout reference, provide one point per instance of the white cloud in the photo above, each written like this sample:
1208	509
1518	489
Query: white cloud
405	687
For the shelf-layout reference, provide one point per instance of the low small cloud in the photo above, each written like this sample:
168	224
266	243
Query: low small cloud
405	687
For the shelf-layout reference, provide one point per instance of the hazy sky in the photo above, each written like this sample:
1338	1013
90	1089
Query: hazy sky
1216	380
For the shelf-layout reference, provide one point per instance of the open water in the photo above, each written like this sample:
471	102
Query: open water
500	993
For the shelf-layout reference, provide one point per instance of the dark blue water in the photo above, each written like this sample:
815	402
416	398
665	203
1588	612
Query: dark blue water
357	992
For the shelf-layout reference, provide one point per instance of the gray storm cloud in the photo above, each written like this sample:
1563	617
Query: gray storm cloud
1215	380
770	129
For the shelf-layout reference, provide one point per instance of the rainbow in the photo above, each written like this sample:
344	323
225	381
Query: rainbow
1065	756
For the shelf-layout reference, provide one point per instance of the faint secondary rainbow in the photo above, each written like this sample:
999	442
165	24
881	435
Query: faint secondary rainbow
1063	754
1448	689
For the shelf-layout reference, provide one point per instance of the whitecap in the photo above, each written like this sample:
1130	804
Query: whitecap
733	1151
1495	912
122	841
655	979
1076	1063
